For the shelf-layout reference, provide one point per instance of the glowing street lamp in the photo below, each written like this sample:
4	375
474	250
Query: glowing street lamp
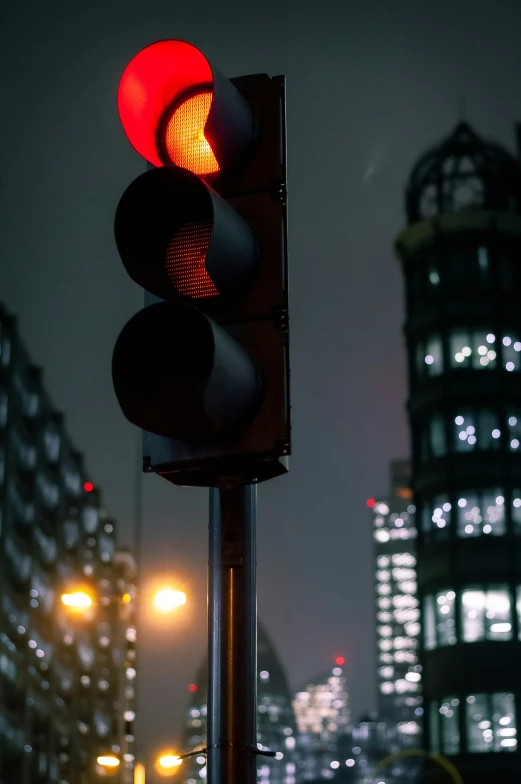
108	761
77	600
167	600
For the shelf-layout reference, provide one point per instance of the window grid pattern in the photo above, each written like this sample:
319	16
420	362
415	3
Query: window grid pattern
485	613
490	723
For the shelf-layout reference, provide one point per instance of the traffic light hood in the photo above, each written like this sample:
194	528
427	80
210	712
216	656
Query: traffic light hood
177	109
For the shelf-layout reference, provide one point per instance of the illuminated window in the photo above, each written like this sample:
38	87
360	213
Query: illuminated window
429	623
436	514
449	712
514	429
481	514
516	510
475	349
486	615
491	722
430	357
511	350
479	431
445	624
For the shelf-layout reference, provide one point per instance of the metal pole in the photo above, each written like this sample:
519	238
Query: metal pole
232	636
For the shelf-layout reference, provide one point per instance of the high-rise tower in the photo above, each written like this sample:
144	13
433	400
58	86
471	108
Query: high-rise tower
461	257
397	610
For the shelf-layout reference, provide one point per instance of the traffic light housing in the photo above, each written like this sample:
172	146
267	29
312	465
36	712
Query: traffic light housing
203	369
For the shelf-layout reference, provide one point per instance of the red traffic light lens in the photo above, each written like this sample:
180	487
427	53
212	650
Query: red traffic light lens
183	137
186	257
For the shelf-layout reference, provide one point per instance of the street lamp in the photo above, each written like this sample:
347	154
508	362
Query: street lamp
108	761
77	600
166	600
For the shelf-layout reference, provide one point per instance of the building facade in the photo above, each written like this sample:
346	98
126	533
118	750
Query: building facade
461	258
323	715
276	727
60	674
397	610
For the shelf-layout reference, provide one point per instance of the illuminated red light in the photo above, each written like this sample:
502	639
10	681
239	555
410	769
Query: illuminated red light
371	502
88	487
192	687
339	660
154	79
185	260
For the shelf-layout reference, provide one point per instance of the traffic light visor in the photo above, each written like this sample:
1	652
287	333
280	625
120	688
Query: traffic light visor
176	109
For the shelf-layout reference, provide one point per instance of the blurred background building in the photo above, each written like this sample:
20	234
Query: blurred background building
64	675
276	726
323	717
461	258
397	611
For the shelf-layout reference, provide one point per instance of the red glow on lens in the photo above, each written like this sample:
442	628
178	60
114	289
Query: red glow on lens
151	82
192	687
88	487
339	660
371	502
185	260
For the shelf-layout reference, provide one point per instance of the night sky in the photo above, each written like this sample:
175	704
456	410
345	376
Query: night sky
370	86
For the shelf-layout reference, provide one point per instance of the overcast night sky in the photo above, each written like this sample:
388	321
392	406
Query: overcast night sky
370	86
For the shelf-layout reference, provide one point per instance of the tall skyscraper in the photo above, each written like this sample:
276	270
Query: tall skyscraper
276	727
323	716
461	258
61	674
397	609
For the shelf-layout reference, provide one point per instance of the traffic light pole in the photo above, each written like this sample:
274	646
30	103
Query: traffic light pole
232	636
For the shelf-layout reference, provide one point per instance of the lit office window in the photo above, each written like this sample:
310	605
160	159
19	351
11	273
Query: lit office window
516	510
449	712
430	357
486	615
436	514
445	622
476	431
514	429
481	513
518	605
429	623
511	350
474	349
491	722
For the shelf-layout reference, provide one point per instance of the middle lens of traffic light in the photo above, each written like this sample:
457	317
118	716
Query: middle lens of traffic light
185	260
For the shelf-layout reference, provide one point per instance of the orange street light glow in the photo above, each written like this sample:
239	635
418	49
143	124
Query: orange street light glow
77	600
108	761
167	600
169	761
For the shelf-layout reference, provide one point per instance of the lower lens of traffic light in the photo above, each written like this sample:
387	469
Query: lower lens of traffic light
178	374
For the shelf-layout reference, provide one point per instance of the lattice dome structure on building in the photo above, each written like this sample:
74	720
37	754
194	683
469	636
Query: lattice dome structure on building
464	171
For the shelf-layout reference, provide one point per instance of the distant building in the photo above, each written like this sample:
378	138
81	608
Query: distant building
323	717
61	674
461	259
276	727
397	609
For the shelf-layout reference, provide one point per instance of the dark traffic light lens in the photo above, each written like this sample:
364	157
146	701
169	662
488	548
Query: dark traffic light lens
183	135
186	257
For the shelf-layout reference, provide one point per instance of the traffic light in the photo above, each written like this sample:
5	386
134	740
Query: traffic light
203	369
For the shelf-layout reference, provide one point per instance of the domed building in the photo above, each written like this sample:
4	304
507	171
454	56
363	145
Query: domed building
461	259
276	726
